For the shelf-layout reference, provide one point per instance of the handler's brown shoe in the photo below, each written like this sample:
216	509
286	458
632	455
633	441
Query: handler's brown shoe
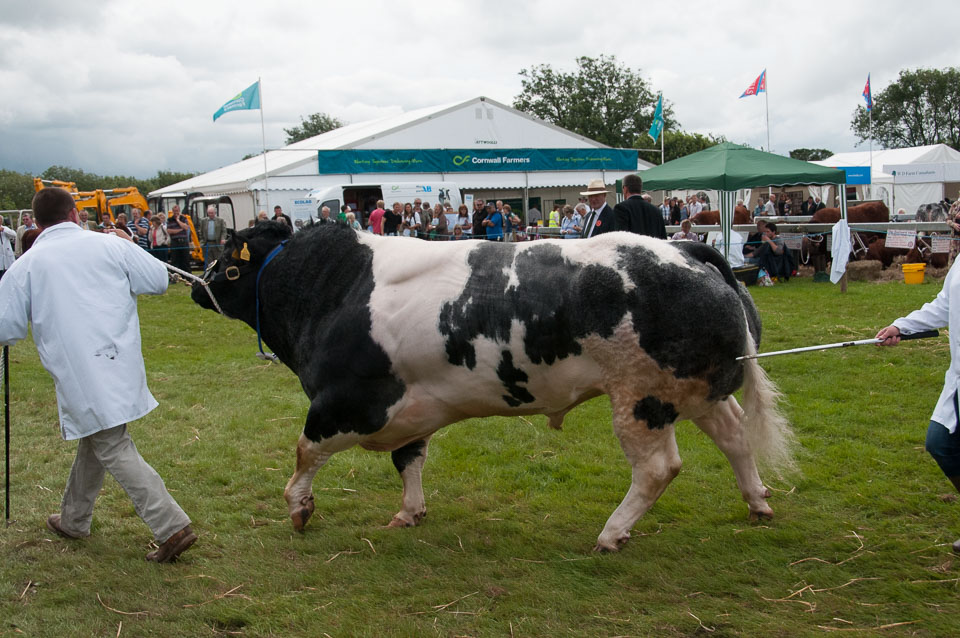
173	546
53	524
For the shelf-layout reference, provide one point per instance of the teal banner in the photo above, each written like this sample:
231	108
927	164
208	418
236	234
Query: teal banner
476	160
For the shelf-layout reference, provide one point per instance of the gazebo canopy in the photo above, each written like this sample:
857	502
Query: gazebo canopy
729	167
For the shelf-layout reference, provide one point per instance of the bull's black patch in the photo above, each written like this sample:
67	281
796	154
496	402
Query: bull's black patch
315	315
557	302
654	412
690	320
404	456
512	377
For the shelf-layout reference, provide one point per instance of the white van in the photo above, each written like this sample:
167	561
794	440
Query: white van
362	198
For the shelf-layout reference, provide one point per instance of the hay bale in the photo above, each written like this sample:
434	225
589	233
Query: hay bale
864	270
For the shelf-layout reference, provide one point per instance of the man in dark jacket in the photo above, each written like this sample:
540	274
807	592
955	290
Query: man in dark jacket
635	214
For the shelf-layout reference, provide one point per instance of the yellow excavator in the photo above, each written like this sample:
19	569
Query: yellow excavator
104	201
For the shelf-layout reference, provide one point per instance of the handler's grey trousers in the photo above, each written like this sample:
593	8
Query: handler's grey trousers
113	451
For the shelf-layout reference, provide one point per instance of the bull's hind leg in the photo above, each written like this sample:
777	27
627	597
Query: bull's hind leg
645	430
311	456
409	462
722	424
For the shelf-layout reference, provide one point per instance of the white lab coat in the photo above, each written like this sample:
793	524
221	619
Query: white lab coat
6	251
942	311
841	250
80	292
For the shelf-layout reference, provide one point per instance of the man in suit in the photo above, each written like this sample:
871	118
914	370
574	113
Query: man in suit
600	219
213	235
635	214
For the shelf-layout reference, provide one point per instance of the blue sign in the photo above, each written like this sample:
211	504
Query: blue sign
475	160
856	174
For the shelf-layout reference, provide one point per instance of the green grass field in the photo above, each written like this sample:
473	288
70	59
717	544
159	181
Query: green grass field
860	542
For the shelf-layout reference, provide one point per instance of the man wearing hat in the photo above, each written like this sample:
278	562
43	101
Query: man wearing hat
600	219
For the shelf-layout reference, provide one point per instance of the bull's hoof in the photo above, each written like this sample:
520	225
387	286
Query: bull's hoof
604	546
302	513
761	515
402	519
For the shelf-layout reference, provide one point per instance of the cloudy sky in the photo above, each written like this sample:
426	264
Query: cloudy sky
130	87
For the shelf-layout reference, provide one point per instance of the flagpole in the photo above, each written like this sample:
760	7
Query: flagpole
766	101
870	116
263	141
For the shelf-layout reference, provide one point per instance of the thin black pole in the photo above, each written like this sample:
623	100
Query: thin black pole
6	430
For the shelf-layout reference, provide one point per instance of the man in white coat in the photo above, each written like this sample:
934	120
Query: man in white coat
943	435
98	276
7	237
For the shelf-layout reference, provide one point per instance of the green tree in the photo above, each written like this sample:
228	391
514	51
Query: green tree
602	100
16	190
677	144
315	124
810	154
922	107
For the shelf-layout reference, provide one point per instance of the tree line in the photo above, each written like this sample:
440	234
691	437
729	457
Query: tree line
16	189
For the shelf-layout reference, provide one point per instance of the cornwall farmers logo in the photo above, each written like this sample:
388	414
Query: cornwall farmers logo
238	102
460	160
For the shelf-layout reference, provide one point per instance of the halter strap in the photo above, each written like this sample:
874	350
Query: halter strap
273	253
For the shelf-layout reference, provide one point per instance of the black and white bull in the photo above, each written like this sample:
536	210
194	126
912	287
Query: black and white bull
394	338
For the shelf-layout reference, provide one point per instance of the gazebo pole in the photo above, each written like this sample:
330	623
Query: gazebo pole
726	220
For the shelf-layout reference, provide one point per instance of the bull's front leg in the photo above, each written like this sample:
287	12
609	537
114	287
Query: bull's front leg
311	456
409	461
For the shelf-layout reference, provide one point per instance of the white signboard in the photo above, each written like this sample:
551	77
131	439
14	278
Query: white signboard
915	173
792	240
901	238
301	211
940	244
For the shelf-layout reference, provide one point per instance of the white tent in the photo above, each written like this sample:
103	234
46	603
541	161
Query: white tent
480	123
907	190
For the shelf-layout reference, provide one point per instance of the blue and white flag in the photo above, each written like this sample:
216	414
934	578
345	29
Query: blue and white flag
657	126
246	100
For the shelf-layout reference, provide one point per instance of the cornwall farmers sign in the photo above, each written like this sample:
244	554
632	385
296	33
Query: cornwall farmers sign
475	160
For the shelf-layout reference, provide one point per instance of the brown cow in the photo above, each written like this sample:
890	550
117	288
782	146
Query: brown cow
814	249
712	217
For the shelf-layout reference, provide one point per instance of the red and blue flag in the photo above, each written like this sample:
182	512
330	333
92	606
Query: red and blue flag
867	96
759	85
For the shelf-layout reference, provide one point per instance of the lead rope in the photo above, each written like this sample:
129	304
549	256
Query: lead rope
194	278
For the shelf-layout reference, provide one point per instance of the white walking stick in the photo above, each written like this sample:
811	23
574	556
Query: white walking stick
842	344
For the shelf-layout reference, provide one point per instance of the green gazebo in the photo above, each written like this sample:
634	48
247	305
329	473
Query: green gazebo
729	167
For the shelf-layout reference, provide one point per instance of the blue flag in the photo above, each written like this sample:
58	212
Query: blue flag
248	99
657	126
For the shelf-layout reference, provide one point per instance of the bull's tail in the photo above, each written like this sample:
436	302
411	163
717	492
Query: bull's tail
766	428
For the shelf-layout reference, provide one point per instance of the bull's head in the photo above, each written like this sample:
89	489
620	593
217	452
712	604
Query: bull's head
232	278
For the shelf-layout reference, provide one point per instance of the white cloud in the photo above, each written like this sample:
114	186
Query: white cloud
131	87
